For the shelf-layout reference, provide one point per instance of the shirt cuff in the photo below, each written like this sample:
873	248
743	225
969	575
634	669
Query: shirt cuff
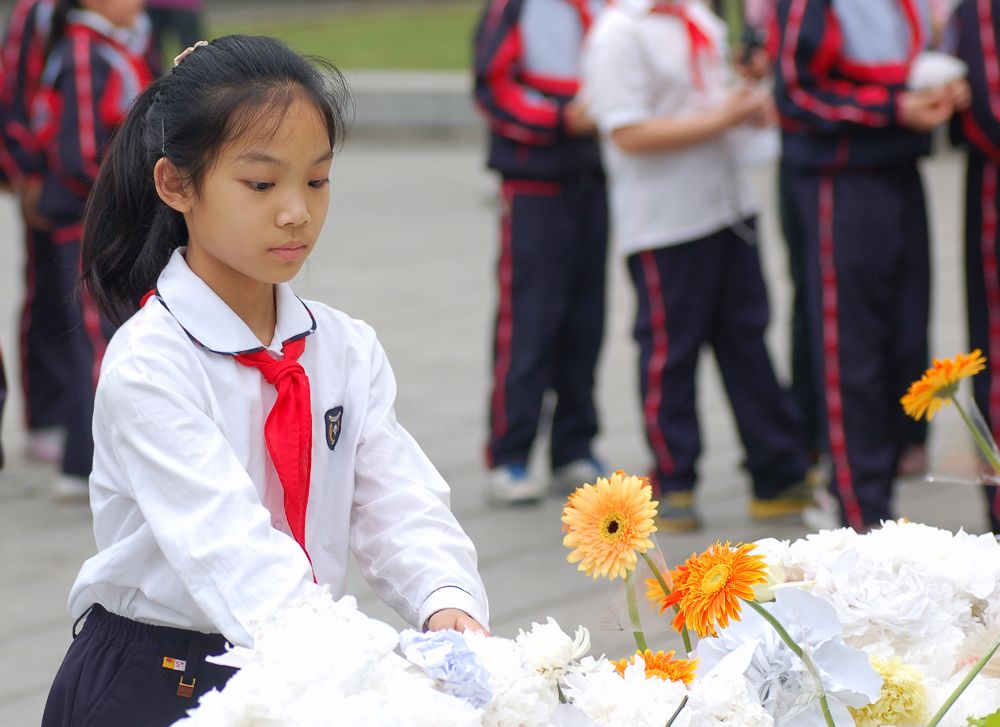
452	597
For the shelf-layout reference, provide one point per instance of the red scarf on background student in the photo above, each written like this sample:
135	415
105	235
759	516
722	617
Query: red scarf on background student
701	45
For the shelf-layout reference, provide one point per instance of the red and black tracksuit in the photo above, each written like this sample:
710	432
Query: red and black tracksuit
858	202
42	354
90	78
553	227
977	34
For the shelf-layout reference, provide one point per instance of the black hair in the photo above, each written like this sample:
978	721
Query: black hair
235	85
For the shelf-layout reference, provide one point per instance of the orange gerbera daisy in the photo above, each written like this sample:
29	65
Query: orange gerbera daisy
939	383
709	588
608	523
655	593
662	666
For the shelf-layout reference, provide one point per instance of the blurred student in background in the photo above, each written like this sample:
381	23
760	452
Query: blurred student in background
98	61
43	353
684	217
976	27
553	240
852	135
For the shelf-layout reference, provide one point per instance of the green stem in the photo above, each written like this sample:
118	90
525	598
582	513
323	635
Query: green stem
677	711
666	590
797	650
953	697
633	612
984	447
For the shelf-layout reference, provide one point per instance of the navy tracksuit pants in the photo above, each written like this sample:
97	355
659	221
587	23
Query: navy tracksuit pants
982	277
81	335
550	316
868	281
122	673
711	292
44	350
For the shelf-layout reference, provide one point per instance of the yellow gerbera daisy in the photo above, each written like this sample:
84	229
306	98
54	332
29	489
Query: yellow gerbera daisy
662	666
709	588
608	523
939	383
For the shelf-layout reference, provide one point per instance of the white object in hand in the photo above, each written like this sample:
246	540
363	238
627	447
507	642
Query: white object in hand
932	69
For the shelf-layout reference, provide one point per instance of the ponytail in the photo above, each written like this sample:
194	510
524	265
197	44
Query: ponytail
128	233
233	86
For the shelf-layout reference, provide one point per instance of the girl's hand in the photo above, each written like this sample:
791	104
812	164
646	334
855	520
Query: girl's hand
744	104
453	618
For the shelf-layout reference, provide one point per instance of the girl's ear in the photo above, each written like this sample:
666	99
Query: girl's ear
171	186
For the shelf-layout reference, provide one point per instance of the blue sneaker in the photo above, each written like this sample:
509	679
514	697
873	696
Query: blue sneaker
512	484
575	474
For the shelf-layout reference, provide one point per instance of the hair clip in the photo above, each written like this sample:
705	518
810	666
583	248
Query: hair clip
188	51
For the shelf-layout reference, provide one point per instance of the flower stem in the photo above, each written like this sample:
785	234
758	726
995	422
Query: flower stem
953	697
797	650
677	711
666	591
633	611
977	435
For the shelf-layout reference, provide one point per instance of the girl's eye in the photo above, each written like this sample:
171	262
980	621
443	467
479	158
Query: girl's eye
318	183
260	186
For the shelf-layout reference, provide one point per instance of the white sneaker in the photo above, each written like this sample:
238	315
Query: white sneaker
71	488
45	445
512	484
575	474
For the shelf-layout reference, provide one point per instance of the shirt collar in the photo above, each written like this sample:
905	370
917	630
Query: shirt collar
136	38
212	324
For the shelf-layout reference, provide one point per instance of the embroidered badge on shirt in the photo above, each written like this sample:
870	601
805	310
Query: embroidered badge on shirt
334	421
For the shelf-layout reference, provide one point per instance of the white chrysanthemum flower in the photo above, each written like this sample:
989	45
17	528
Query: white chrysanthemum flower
550	651
784	686
521	696
723	695
612	700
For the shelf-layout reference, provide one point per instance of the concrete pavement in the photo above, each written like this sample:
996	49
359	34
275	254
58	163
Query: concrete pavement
410	246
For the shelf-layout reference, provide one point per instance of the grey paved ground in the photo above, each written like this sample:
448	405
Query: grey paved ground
409	246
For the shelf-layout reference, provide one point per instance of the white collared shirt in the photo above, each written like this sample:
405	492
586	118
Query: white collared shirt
188	509
636	66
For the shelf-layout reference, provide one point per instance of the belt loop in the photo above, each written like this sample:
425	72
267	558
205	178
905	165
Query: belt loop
81	618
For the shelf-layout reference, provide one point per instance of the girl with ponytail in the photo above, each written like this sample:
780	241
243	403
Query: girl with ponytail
245	439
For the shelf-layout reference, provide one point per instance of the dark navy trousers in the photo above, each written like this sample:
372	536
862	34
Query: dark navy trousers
982	277
868	287
83	334
44	343
550	316
711	292
121	673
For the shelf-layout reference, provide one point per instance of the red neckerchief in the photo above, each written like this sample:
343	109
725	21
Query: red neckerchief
699	41
288	429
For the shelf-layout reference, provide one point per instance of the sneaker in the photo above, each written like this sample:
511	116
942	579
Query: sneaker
71	488
677	513
574	474
912	461
45	445
792	500
511	484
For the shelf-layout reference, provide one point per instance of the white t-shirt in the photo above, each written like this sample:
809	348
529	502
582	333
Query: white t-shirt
188	509
636	67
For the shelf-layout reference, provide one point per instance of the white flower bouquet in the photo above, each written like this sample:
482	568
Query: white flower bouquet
891	621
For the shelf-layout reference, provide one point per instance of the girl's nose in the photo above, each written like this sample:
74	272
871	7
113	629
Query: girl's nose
294	212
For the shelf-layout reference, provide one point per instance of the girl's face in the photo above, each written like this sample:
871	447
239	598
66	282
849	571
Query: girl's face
263	204
122	13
